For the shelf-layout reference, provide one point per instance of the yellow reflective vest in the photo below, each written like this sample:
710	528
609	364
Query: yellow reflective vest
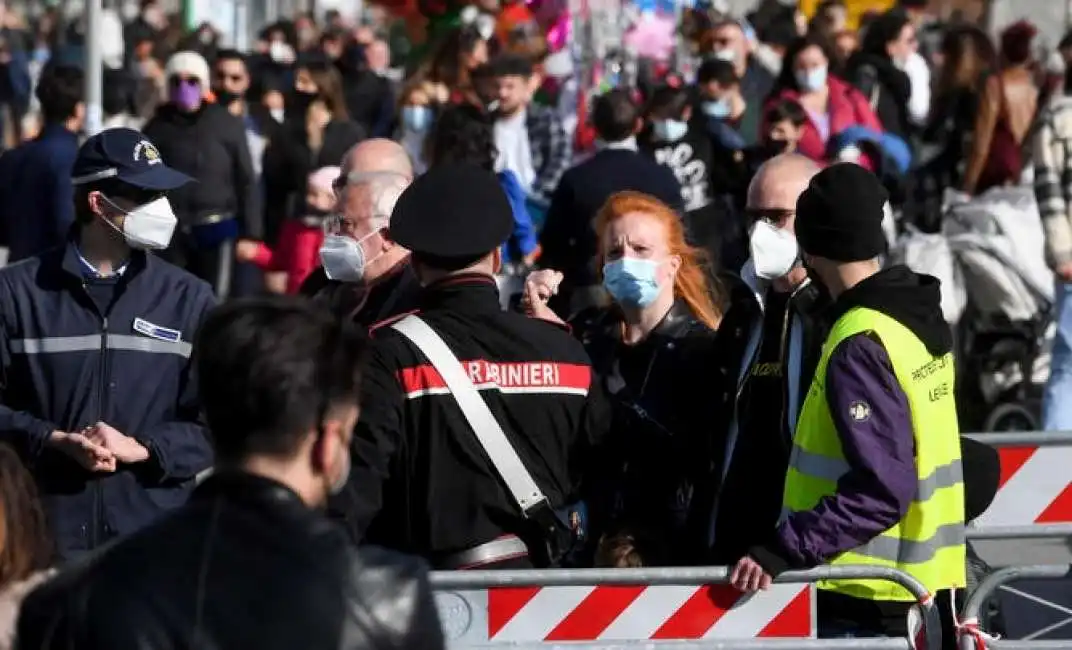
928	543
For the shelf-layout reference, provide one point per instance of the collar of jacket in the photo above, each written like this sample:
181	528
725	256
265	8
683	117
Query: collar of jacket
675	324
243	486
471	292
759	287
69	260
55	130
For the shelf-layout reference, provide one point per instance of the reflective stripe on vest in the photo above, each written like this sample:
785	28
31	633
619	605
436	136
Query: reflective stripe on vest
928	542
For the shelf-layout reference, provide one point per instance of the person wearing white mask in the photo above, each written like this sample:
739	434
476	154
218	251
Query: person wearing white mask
365	274
96	342
771	339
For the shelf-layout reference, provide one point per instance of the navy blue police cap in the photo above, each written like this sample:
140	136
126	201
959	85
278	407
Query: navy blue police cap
127	156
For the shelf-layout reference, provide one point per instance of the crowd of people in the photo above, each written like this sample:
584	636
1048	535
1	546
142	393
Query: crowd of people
492	317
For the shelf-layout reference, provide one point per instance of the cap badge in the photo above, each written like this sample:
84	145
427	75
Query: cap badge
146	149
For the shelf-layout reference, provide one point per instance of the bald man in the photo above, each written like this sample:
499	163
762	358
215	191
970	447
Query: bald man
768	364
377	155
365	275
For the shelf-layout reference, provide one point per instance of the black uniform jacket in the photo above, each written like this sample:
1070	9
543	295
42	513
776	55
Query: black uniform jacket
419	470
245	564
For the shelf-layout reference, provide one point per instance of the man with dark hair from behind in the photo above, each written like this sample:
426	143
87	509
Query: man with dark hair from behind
568	239
250	560
36	199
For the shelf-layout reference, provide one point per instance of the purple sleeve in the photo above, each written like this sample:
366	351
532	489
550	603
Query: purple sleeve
874	424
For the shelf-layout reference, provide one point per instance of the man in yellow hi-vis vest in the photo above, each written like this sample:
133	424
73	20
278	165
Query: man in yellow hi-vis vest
875	471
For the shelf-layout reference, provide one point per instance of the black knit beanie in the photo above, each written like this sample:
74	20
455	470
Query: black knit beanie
839	215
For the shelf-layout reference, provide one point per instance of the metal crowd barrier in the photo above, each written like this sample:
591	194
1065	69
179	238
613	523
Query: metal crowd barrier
986	590
1034	500
475	607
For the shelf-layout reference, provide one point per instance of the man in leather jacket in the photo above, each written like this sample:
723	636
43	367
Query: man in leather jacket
770	339
250	562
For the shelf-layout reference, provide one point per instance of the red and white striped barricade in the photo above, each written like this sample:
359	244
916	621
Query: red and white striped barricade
626	613
1034	498
596	607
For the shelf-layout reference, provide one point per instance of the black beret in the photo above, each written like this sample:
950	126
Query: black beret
839	215
454	210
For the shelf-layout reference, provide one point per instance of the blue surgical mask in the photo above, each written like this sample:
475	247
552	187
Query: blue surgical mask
669	130
631	281
810	80
717	108
416	118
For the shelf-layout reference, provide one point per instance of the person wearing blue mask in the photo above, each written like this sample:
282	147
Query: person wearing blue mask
415	121
731	117
652	349
679	142
831	104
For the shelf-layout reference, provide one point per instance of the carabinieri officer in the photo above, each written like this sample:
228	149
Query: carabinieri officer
97	391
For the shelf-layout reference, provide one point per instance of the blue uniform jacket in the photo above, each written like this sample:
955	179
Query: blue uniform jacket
65	366
36	195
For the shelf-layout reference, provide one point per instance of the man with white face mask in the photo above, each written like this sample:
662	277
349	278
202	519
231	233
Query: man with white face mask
768	363
98	394
365	275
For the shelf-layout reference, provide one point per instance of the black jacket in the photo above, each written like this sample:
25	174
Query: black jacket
659	391
289	160
209	145
246	564
418	470
749	507
886	88
568	240
396	293
129	366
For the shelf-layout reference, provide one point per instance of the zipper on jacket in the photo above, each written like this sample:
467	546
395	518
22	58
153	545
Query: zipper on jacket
98	489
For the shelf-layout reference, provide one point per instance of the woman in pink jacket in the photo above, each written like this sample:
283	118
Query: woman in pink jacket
832	105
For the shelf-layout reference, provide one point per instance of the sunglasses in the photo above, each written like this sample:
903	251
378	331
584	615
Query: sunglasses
773	216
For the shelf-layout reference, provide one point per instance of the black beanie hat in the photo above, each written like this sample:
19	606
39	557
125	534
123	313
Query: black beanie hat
839	215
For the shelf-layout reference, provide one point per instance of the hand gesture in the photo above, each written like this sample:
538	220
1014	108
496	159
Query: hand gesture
79	448
125	448
748	576
539	287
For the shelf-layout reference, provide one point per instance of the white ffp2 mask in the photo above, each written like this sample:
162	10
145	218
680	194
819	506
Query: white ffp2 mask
149	226
343	258
774	251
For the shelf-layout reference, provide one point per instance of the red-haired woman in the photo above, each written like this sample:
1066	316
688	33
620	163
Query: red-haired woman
652	347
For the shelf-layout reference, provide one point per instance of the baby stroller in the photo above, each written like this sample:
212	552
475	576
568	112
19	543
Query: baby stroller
997	293
1005	330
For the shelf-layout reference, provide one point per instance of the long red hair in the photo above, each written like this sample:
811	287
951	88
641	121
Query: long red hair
693	283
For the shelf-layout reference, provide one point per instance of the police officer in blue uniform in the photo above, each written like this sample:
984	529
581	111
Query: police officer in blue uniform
96	389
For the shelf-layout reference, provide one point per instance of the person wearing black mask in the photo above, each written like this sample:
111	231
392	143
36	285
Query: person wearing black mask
369	97
317	132
203	140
